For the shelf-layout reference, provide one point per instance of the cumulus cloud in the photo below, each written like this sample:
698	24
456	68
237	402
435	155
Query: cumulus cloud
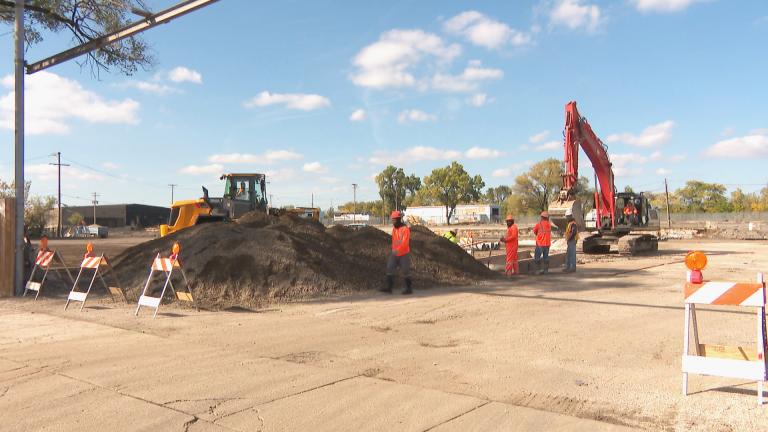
745	147
389	62
484	31
659	156
182	74
510	170
202	169
662	171
479	99
414	115
297	101
110	165
314	167
482	153
628	164
358	115
664	6
539	137
150	87
46	172
52	101
549	146
414	154
468	80
268	157
574	15
651	136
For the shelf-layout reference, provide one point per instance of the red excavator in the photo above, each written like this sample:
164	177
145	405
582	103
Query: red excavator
621	219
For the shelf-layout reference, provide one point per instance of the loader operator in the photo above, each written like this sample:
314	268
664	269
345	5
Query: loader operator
510	242
400	256
543	232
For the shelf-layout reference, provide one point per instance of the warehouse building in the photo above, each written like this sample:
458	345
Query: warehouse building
465	213
113	216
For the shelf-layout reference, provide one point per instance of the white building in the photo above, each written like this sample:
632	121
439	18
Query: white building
351	217
465	213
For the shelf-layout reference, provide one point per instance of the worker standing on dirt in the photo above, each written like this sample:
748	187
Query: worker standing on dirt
510	242
571	237
400	256
451	236
543	232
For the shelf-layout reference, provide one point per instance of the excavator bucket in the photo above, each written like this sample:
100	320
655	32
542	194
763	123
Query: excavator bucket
557	213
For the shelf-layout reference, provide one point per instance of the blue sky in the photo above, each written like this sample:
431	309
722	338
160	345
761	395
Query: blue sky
320	95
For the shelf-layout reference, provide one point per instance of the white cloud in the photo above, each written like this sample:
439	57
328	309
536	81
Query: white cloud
479	99
549	146
539	137
482	153
52	101
510	170
414	154
484	31
662	171
314	167
46	172
414	115
659	156
665	6
651	136
628	164
330	180
110	165
389	62
150	87
270	156
281	175
745	147
468	80
759	131
183	74
574	15
298	101
202	169
358	115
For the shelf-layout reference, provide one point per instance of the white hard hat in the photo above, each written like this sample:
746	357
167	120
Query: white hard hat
569	212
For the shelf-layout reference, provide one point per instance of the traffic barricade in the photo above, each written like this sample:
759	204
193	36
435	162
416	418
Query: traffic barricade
46	261
100	267
719	360
167	267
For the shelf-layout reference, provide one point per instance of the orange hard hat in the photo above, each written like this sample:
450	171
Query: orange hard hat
395	214
545	214
695	260
44	242
510	217
176	248
89	247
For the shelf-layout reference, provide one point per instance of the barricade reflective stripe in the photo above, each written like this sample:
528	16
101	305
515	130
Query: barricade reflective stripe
164	264
91	263
44	258
725	294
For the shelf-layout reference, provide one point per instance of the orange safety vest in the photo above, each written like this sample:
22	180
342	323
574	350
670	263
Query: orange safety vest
543	231
627	211
511	239
401	240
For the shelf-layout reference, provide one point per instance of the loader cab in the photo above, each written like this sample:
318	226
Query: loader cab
634	212
243	193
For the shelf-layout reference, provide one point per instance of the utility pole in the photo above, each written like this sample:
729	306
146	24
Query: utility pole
669	216
170	214
59	165
270	201
95	195
19	148
172	186
354	201
312	205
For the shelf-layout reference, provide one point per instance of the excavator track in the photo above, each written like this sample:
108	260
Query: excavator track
634	244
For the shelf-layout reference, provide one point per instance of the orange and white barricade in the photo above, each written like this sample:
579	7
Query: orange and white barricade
46	261
718	360
168	267
100	266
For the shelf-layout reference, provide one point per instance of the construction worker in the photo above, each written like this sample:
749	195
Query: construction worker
510	242
571	237
43	244
543	232
451	236
400	256
627	212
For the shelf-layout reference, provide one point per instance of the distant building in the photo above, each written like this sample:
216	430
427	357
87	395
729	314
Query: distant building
465	213
345	218
113	216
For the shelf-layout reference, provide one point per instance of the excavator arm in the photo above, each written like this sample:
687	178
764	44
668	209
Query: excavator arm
578	133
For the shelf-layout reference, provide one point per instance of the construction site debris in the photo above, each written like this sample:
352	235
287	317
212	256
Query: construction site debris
262	258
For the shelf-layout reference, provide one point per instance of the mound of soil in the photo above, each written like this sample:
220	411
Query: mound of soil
262	258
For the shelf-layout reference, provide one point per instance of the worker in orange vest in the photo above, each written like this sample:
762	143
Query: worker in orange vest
543	232
510	242
628	211
400	256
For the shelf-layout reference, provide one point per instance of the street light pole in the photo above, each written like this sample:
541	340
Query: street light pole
58	165
19	148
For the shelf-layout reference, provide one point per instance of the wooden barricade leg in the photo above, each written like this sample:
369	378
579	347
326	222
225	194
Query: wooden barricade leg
27	286
90	285
162	293
45	275
686	340
189	289
144	291
74	286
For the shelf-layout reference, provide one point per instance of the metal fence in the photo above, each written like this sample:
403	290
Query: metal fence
714	217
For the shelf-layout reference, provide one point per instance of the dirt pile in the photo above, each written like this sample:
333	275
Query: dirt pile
261	258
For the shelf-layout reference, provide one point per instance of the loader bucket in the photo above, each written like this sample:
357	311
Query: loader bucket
557	210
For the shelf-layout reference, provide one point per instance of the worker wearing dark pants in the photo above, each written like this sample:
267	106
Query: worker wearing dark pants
571	237
400	256
543	232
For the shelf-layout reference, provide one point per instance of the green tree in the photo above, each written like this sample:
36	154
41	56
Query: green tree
395	188
36	213
451	186
8	190
628	189
86	20
497	195
74	219
534	189
742	202
698	196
